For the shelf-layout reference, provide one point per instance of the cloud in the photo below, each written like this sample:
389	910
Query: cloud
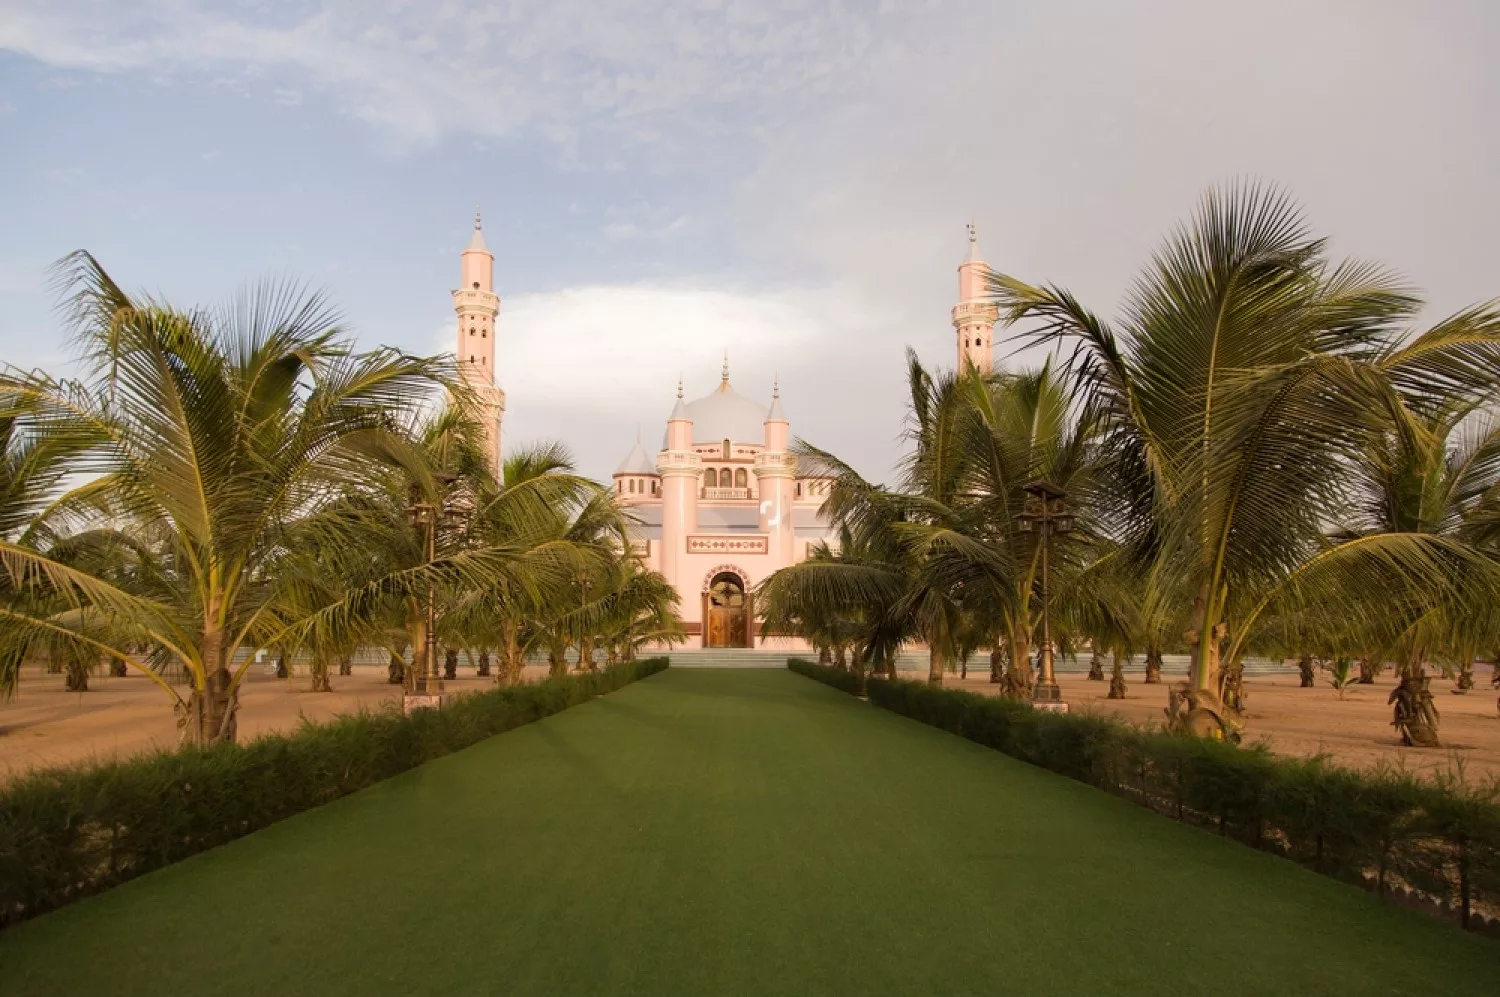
563	68
590	364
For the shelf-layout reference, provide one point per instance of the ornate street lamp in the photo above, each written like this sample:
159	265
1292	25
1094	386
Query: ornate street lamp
1045	514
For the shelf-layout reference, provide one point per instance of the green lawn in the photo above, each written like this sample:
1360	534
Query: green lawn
735	832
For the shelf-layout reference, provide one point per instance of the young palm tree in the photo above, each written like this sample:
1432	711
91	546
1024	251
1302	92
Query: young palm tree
1244	375
1438	475
203	436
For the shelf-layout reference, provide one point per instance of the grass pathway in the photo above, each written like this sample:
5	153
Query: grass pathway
728	833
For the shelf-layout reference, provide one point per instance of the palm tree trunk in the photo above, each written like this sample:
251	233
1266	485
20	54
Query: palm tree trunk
346	665
1153	666
209	713
1096	667
1021	679
510	654
76	674
319	669
997	660
1465	676
1306	671
1117	678
450	663
395	669
1415	715
117	669
484	663
935	664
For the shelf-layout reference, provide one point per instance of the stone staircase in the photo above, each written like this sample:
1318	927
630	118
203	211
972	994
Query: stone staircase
727	657
913	663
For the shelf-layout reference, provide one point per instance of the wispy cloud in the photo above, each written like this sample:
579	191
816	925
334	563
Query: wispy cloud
561	67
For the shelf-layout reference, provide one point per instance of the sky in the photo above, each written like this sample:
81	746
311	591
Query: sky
787	180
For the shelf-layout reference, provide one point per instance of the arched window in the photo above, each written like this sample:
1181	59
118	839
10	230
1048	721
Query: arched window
632	486
471	358
655	487
484	334
799	489
726	478
726	449
476	285
740	480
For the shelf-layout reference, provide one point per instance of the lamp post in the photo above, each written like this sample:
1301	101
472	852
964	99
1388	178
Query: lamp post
1046	514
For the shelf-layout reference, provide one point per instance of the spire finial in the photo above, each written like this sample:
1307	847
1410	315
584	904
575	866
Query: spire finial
476	218
776	385
973	231
726	367
679	385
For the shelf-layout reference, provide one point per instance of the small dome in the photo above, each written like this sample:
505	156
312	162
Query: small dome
637	462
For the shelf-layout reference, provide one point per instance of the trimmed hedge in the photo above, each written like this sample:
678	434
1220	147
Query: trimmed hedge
66	833
844	681
1380	829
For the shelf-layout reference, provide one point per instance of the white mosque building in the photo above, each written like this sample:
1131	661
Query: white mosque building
722	504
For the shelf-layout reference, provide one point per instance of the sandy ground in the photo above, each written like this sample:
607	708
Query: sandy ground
1356	731
43	725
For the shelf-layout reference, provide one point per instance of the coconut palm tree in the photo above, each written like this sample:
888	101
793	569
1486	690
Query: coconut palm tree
210	433
1437	474
1245	373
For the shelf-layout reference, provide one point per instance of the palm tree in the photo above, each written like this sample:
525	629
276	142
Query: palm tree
1436	474
210	432
1244	374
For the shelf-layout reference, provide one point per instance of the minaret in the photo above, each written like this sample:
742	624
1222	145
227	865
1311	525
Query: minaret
974	316
681	472
478	308
776	479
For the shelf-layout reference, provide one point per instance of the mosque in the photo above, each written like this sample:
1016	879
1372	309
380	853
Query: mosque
722	504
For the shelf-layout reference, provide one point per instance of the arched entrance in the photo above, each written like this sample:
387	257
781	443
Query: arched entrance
726	611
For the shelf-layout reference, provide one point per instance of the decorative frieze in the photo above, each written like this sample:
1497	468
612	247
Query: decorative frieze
727	545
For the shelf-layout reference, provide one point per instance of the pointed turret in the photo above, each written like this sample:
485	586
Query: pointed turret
974	316
679	411
776	414
476	241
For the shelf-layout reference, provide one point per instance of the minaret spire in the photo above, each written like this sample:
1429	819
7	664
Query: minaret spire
478	309
975	314
725	382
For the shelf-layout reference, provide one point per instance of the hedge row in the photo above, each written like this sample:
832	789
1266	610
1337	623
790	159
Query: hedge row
68	832
1381	828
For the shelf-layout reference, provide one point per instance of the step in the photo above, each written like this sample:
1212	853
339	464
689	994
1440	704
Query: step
727	657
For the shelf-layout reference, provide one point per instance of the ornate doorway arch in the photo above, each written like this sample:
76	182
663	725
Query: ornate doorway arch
727	613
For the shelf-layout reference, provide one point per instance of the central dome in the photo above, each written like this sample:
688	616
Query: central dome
725	414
